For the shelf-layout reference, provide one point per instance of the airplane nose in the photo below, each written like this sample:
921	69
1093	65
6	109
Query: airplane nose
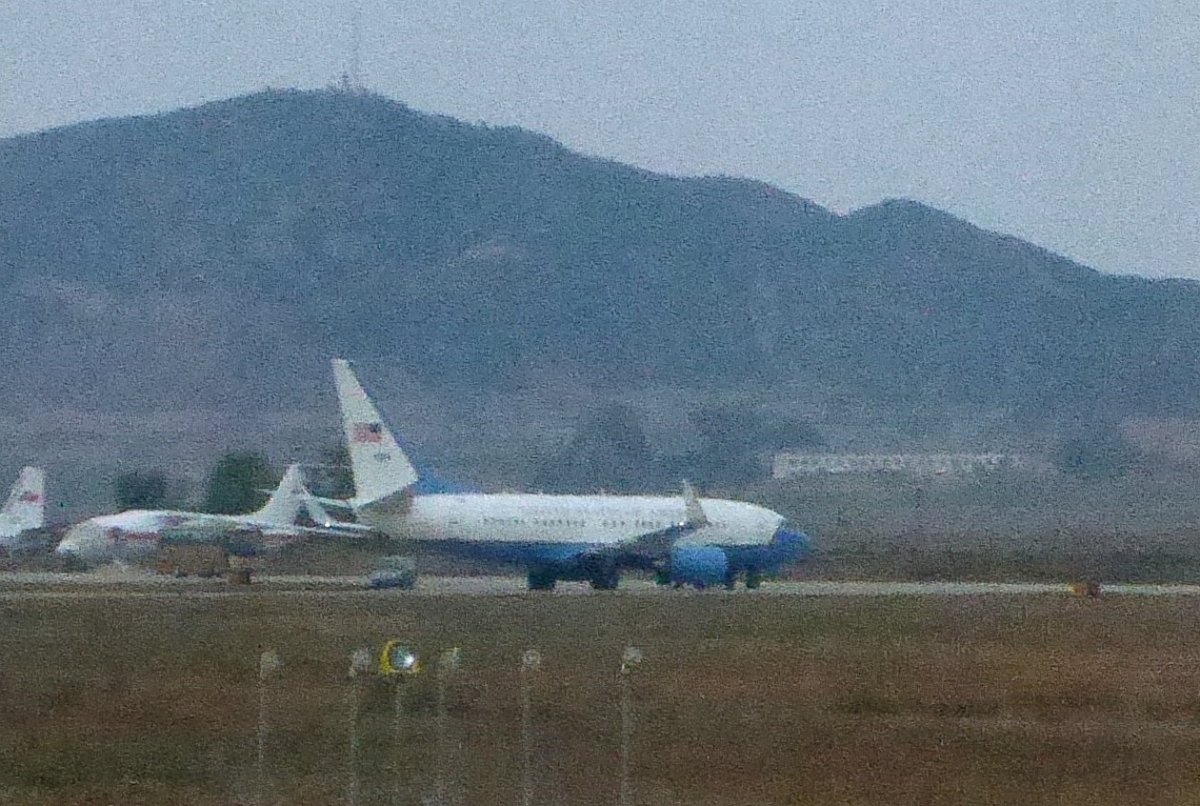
791	542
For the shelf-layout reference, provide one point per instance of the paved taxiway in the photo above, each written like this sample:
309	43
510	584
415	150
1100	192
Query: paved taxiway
129	583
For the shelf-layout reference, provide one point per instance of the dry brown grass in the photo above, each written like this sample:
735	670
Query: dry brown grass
742	699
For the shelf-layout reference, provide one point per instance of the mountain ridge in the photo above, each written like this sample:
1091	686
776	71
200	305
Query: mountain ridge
245	240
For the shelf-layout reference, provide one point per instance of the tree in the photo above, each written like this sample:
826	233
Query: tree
141	489
609	450
236	482
734	439
332	477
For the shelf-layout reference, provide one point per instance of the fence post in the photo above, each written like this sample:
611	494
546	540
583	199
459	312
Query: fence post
360	664
630	659
448	663
269	662
531	661
397	662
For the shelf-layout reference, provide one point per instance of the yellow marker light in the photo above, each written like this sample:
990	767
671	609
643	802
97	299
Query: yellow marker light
396	659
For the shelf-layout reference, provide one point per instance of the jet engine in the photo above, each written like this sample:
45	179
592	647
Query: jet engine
701	566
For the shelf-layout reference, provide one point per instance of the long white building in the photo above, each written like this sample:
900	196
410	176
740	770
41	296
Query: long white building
790	465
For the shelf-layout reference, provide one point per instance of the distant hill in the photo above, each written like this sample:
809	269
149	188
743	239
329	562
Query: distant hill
217	256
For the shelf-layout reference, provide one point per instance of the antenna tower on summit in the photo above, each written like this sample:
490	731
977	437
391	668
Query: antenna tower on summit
352	77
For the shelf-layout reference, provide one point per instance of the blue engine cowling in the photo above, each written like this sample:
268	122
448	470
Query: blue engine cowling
698	565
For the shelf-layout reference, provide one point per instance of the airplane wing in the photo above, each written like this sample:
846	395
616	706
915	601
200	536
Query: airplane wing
330	529
202	527
659	542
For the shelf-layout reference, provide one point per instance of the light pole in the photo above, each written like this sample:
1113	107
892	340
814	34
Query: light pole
360	664
269	662
531	662
448	663
397	662
630	660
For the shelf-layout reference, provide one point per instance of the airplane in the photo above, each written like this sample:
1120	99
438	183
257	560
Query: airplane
139	533
25	508
685	539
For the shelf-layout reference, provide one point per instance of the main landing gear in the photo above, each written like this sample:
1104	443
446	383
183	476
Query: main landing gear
753	579
541	579
605	579
602	577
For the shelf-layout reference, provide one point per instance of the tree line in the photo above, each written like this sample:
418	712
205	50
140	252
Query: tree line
238	483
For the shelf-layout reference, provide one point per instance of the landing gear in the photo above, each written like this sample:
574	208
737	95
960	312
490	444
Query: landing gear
730	580
754	578
605	578
541	579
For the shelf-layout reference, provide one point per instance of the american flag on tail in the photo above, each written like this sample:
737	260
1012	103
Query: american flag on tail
367	432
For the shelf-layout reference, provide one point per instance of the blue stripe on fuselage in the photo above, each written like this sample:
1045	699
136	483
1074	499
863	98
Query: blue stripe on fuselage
529	553
786	545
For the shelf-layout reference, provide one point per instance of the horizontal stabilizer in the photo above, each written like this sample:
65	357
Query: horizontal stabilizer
346	504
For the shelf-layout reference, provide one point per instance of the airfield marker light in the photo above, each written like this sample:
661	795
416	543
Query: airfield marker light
531	662
450	659
360	662
269	663
397	659
631	658
396	663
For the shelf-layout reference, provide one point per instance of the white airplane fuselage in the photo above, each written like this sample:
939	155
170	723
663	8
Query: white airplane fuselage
683	538
123	537
137	534
551	528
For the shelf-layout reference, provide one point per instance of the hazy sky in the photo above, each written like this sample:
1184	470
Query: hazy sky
1075	125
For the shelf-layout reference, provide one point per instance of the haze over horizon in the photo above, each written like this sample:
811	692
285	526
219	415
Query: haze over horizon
1071	126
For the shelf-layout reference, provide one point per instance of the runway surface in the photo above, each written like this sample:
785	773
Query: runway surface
132	583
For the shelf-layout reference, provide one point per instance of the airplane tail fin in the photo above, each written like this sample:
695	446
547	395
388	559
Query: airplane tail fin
380	468
26	503
284	505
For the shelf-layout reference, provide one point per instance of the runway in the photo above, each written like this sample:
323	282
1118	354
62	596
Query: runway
110	583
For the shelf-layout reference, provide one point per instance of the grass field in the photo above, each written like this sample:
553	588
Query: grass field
741	700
